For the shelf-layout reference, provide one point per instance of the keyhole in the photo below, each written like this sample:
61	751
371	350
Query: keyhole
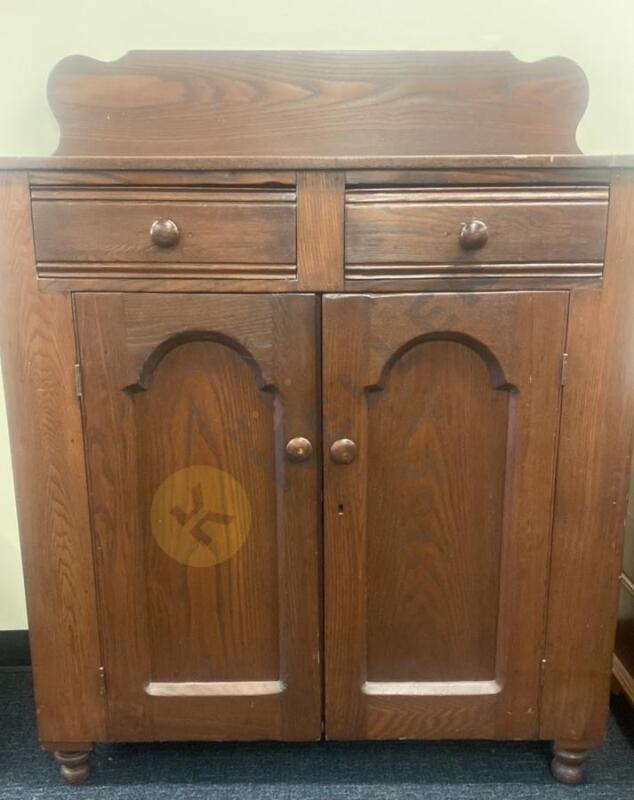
340	509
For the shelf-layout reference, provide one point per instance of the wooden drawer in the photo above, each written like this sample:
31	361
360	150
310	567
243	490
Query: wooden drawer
225	233
423	233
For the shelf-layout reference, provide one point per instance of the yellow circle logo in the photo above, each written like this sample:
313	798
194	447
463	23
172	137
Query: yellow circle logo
200	516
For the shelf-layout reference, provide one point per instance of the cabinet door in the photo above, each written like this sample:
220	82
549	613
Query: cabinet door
205	530
438	527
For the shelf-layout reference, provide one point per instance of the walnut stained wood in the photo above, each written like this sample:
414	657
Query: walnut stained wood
418	233
590	165
218	233
38	354
309	305
590	500
425	450
436	554
320	104
220	395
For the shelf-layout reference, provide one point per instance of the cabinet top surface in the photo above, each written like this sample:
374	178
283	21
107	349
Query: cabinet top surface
257	162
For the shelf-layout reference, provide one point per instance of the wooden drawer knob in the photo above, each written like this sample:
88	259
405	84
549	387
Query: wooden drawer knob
164	232
473	234
299	449
343	451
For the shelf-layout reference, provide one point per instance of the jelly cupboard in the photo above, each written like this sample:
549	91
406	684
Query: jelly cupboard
319	377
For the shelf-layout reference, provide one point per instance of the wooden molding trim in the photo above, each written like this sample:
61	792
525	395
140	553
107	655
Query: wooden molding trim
623	678
627	584
287	103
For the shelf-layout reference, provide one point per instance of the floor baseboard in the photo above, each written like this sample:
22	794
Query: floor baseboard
14	649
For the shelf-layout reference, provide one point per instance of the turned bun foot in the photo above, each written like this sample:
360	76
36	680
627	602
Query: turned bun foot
73	767
568	766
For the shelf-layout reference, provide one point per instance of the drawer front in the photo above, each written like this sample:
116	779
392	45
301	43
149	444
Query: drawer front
463	232
212	233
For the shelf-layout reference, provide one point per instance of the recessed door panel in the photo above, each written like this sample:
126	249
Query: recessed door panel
206	477
206	532
437	527
437	440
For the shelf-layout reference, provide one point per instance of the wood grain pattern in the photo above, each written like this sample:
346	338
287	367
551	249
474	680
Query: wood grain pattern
471	172
467	281
592	481
77	280
179	381
57	178
227	232
38	355
317	104
178	194
369	341
472	505
219	623
82	282
429	533
528	163
154	179
416	233
507	277
320	224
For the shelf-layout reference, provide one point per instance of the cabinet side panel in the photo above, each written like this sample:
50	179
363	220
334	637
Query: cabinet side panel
595	447
38	354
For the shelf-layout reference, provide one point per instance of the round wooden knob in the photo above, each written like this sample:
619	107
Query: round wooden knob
299	449
164	232
343	451
473	235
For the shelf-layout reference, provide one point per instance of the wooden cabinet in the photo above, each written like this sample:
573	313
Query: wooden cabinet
327	440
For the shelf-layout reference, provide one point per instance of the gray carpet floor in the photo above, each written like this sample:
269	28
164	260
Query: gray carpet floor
325	770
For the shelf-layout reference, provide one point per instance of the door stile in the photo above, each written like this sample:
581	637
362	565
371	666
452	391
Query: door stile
345	353
126	711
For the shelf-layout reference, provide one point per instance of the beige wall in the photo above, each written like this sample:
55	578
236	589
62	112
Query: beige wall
35	34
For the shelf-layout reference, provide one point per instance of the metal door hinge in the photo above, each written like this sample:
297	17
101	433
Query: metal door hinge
564	368
102	681
78	381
